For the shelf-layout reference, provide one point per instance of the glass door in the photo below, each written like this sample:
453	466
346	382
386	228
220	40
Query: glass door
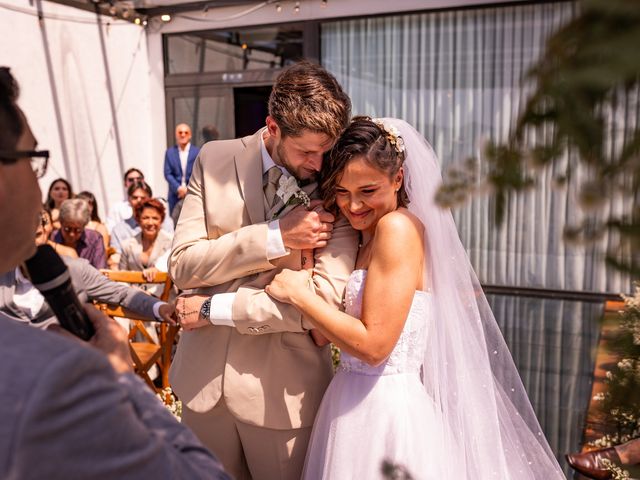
200	106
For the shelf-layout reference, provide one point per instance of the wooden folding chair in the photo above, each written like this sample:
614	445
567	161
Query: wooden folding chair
147	353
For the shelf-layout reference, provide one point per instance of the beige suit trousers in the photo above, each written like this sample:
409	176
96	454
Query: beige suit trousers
248	452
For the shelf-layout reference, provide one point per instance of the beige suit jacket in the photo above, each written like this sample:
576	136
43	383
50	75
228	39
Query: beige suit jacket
267	368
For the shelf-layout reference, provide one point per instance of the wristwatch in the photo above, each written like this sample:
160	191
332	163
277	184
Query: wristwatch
205	309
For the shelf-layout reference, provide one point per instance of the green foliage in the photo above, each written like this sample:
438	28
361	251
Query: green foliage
621	402
588	75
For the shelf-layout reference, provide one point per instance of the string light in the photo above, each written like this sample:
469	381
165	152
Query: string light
63	18
278	7
323	4
296	9
165	18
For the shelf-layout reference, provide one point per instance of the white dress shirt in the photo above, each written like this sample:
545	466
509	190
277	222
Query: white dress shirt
184	156
27	298
118	212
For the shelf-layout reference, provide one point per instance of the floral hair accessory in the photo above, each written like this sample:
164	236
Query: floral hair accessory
392	134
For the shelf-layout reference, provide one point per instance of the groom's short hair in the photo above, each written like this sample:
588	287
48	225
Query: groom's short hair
307	97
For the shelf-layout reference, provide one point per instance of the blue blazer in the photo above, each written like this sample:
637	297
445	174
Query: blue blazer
173	171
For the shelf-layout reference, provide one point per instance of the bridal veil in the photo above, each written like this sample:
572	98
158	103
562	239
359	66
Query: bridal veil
489	427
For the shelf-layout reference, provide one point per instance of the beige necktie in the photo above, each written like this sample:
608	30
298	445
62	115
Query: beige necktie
271	187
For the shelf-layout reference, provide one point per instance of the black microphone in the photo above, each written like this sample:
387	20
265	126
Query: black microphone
51	277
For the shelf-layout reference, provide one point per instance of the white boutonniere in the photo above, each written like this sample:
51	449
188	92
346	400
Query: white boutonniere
291	194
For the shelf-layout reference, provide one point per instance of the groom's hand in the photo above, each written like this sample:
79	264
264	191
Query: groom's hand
307	229
188	311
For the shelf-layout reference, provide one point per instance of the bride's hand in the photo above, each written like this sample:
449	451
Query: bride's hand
287	284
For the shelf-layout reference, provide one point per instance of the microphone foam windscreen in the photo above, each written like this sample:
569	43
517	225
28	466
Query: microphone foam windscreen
45	265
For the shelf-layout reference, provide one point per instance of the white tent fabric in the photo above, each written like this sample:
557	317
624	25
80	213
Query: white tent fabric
86	91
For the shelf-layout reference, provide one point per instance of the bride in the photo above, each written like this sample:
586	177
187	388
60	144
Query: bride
426	381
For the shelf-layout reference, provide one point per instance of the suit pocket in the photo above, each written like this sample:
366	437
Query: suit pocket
297	341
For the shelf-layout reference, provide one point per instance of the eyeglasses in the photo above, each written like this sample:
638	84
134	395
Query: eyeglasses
77	231
39	159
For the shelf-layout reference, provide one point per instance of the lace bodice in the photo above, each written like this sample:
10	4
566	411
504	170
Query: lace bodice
408	354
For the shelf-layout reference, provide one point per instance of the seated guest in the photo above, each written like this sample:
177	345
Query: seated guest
141	251
95	223
20	300
74	216
43	235
138	192
73	409
122	210
59	191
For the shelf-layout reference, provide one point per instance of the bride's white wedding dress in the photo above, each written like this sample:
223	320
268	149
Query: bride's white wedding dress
372	414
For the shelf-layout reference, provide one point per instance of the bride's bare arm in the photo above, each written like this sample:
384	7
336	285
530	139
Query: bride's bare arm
395	272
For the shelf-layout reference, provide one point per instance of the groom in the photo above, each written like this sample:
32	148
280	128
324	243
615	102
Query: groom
246	368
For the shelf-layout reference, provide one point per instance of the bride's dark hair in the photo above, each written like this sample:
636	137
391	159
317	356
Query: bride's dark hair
362	138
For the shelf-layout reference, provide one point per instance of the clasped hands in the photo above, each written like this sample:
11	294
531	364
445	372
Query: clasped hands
303	229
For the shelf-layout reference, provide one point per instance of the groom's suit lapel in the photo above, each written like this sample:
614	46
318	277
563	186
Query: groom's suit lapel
249	171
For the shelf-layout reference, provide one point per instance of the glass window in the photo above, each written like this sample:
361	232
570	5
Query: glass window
234	50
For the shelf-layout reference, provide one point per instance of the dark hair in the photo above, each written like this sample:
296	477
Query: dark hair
126	174
11	125
93	204
362	138
137	186
150	203
307	97
49	203
210	133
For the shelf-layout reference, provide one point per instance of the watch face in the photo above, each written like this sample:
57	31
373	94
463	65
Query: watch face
205	309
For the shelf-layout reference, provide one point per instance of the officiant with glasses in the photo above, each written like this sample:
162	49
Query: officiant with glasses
72	409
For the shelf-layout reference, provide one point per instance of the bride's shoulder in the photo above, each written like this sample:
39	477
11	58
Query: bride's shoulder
400	221
400	225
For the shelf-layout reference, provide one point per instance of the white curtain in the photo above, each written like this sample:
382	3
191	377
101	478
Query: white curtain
456	76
